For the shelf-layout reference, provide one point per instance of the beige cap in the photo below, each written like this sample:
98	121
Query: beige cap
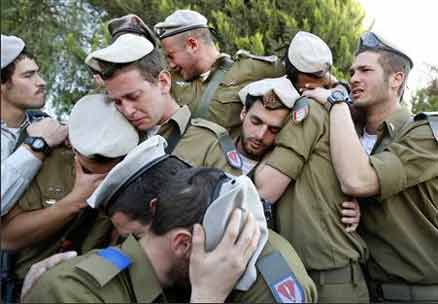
178	22
141	157
281	87
11	47
238	192
310	54
125	49
95	127
131	24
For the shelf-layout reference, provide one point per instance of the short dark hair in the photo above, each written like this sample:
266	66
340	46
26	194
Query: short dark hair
184	199
149	66
134	199
8	71
391	63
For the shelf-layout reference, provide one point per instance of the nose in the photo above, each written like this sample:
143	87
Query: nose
40	81
172	65
354	77
128	109
261	132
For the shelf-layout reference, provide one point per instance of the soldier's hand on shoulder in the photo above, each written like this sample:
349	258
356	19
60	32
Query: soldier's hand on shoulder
214	274
53	132
40	268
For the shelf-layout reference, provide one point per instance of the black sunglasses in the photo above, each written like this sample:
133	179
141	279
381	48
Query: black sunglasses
369	40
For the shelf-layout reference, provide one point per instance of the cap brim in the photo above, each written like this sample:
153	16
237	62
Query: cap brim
125	49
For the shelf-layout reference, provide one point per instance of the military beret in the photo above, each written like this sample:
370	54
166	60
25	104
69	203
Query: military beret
95	127
139	159
124	49
178	22
371	40
281	87
130	24
310	54
237	192
11	47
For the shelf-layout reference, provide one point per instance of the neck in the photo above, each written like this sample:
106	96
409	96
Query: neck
379	113
151	245
170	109
10	115
209	57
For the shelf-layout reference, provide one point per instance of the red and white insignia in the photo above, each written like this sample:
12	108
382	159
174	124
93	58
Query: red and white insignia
234	159
289	291
300	114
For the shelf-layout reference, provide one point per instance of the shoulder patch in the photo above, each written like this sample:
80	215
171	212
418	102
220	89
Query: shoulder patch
280	278
105	264
300	110
432	119
245	54
224	139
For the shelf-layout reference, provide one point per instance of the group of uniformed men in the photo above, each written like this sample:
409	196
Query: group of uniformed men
178	175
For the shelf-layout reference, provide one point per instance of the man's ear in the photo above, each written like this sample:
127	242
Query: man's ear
164	82
181	243
243	113
397	80
192	44
152	206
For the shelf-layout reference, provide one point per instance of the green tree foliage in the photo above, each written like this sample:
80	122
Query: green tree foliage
64	31
426	99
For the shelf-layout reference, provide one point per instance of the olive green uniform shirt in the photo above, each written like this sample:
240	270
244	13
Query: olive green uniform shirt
93	279
309	212
225	106
53	182
199	144
400	225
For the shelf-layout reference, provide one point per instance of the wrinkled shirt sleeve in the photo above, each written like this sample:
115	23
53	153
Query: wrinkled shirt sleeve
18	168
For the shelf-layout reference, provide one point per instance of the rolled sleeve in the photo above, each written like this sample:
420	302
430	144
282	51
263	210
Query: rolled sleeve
391	173
286	161
17	171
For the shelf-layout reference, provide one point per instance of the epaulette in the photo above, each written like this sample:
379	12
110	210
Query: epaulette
300	110
280	278
105	264
245	54
225	141
432	119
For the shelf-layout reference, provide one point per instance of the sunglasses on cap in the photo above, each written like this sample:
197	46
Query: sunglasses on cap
369	40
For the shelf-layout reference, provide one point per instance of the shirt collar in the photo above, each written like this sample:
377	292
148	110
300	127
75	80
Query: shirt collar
394	122
182	118
145	283
23	125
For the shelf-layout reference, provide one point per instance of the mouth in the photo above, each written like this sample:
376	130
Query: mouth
136	122
356	93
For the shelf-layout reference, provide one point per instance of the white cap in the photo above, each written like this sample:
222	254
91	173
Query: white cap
125	49
95	127
140	157
282	87
180	21
310	54
239	192
11	47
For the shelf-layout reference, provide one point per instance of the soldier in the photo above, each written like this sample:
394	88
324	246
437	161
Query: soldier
24	141
51	215
308	192
393	162
149	266
205	79
133	74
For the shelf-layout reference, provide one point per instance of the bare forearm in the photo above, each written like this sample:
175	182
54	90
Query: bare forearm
271	183
352	166
33	226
